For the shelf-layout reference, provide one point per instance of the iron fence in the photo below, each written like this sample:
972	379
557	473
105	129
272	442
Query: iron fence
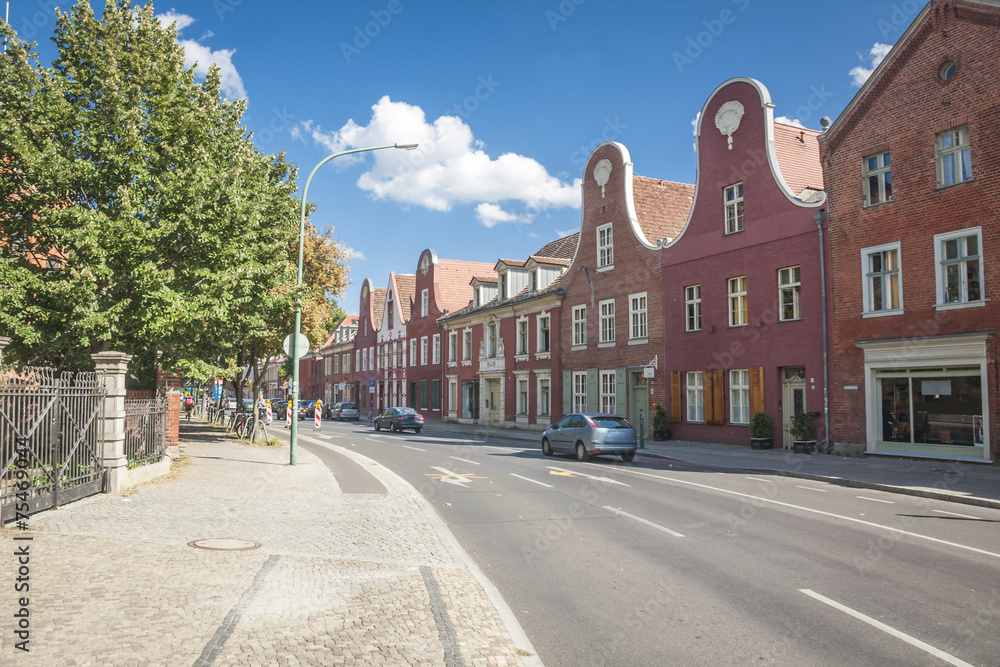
51	438
145	430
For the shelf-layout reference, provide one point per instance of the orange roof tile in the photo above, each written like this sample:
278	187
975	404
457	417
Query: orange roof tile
563	248
378	307
797	150
556	261
406	289
661	206
453	278
485	279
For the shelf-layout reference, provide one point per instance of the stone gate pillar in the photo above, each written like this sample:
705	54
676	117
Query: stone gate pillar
114	365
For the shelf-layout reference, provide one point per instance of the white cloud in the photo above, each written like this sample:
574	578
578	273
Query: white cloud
202	57
355	254
790	121
449	167
694	131
877	53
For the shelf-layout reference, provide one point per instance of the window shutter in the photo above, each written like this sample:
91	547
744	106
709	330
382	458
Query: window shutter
708	396
621	391
676	395
756	390
593	390
718	397
567	393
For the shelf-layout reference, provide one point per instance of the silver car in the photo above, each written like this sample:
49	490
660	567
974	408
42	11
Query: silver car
346	411
588	434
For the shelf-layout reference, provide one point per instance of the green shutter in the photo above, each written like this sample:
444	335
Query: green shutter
567	393
593	390
621	391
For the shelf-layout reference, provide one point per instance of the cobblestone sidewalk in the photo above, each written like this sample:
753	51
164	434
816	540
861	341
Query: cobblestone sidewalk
339	579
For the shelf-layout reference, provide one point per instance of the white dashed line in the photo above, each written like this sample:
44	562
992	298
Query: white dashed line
877	500
466	460
533	481
811	488
416	448
645	521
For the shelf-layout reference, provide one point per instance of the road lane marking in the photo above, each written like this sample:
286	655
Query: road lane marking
533	481
936	652
810	488
563	474
645	521
964	516
583	474
466	460
449	477
809	509
759	479
503	449
877	500
373	438
416	448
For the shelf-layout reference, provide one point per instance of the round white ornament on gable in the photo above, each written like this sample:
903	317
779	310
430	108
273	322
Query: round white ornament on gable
602	172
727	119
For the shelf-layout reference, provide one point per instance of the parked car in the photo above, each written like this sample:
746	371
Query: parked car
278	407
346	411
397	419
589	434
307	409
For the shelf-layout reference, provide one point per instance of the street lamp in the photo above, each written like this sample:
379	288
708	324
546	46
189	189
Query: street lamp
294	394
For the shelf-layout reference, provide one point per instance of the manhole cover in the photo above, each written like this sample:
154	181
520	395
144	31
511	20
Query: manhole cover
224	544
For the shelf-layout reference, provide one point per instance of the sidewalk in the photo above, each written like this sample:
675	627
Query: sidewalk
969	483
338	578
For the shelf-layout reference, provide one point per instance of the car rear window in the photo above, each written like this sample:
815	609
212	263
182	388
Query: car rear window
348	406
610	422
407	411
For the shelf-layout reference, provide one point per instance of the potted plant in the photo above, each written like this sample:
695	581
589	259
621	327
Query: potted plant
661	424
761	431
803	431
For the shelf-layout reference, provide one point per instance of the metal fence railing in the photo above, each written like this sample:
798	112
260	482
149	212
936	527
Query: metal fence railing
145	430
51	438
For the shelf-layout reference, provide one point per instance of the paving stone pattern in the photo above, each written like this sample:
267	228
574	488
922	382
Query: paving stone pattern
339	579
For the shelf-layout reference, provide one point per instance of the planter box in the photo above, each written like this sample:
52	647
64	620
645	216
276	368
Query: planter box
662	436
761	443
804	446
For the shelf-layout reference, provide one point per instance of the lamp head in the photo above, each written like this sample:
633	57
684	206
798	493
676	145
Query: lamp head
408	147
820	216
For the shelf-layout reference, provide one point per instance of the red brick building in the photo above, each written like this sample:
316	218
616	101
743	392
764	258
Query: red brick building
611	321
391	387
911	170
502	352
442	287
372	305
743	309
336	354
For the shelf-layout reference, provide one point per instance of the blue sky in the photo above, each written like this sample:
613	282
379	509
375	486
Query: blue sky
506	98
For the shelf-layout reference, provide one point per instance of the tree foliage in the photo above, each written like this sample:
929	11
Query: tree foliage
136	213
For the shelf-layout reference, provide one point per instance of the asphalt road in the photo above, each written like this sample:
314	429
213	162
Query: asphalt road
656	563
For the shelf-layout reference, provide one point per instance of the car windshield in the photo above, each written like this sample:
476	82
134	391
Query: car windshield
610	422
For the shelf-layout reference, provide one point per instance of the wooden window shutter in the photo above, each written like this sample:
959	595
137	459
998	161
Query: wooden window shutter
676	396
593	390
567	393
756	390
621	391
707	396
715	404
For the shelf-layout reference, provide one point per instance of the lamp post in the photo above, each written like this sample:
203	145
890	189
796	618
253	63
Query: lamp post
293	395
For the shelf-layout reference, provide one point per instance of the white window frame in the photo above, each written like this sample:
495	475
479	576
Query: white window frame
544	396
606	309
692	307
357	359
453	347
326	365
884	277
958	155
579	326
941	263
347	362
738	315
336	364
790	286
423	350
522	336
423	303
638	316
544	333
732	202
452	395
522	395
467	345
492	340
695	385
609	393
413	351
580	391
878	178
436	349
605	247
739	396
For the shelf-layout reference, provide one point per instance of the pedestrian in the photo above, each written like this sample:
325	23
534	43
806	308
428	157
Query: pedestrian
188	406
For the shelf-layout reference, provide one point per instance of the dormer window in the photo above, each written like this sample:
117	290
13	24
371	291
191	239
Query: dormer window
503	285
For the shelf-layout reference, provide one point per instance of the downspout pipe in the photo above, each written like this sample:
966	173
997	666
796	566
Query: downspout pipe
820	218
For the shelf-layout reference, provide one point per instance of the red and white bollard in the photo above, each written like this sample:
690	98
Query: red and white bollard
319	409
269	418
288	416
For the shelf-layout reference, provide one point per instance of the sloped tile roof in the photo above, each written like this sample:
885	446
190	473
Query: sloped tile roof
554	261
486	279
661	206
797	150
453	278
378	306
512	262
563	248
406	289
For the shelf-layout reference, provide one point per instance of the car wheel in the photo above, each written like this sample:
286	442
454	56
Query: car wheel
392	427
377	427
581	452
416	430
546	447
628	456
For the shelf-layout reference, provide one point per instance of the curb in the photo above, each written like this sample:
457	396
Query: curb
856	484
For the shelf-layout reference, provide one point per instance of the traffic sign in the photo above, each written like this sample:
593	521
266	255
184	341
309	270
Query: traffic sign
303	344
